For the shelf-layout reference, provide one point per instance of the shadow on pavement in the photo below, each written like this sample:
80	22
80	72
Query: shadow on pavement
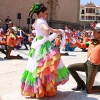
24	59
68	95
67	55
1	59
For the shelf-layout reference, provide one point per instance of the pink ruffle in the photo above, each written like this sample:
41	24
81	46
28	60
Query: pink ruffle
48	57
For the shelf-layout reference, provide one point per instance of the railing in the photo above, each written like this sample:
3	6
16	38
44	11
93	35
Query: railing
88	19
97	13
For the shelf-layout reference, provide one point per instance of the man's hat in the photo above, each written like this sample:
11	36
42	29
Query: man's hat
14	29
10	22
97	27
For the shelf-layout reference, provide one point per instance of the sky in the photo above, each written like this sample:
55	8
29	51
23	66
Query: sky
96	2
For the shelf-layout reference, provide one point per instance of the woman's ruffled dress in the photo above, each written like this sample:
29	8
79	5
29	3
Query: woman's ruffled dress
44	72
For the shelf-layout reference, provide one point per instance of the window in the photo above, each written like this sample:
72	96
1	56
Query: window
82	11
90	10
97	18
97	12
90	18
82	17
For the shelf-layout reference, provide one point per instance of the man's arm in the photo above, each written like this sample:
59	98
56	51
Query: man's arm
75	42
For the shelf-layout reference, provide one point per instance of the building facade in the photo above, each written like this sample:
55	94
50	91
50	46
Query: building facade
89	13
60	11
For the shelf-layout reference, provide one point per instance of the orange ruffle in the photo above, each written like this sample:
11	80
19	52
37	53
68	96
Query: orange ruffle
49	66
48	69
43	93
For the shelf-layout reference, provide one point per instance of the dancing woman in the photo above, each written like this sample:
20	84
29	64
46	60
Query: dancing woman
45	69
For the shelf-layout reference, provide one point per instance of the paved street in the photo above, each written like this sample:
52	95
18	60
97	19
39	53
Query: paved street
11	71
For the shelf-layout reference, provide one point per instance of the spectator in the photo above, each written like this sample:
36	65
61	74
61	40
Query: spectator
7	20
26	41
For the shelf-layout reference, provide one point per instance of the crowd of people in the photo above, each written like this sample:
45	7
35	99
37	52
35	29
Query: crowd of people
24	37
13	38
45	69
82	36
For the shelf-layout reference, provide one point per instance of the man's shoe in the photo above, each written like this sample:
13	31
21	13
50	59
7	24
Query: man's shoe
66	53
5	57
78	88
26	49
19	57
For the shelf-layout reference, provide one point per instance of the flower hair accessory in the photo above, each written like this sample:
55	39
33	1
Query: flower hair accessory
35	8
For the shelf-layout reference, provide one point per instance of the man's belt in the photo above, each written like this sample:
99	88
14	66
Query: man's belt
92	63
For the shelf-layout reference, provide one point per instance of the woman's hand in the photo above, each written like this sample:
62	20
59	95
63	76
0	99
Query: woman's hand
62	31
58	31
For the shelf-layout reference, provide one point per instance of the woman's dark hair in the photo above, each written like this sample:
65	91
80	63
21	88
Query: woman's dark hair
37	8
42	9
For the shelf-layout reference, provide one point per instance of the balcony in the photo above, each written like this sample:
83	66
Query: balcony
97	13
82	19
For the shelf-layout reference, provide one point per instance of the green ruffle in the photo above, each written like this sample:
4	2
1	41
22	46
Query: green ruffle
31	52
29	78
63	74
45	48
39	37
